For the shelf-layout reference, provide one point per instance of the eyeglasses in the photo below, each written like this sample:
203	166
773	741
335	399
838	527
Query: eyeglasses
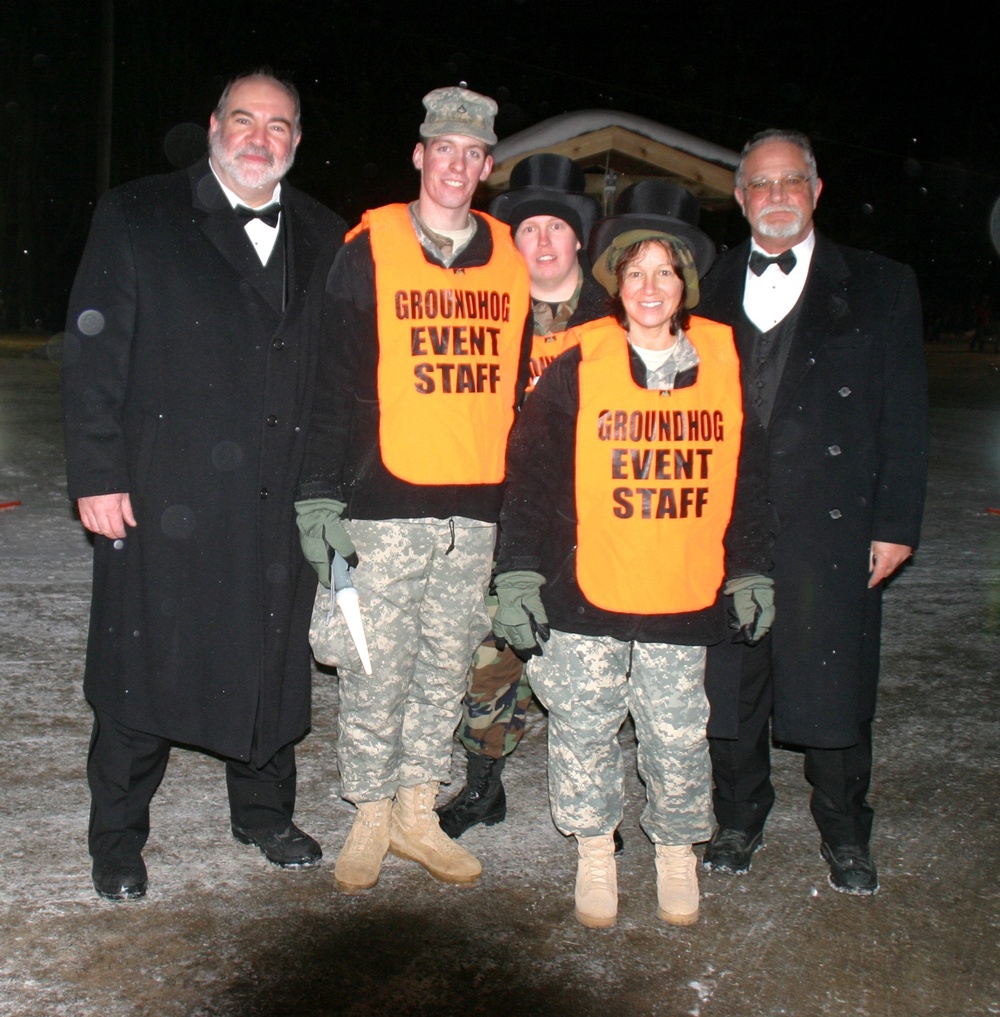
793	183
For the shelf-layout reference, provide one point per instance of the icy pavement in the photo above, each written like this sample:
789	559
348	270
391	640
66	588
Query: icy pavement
224	934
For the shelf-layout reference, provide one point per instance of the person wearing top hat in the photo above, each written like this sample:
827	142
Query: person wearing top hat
550	219
633	499
426	357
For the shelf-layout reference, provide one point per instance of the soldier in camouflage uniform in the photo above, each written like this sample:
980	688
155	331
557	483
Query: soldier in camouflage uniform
425	361
605	581
550	218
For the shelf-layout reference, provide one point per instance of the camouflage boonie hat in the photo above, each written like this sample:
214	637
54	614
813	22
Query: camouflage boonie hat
459	111
605	268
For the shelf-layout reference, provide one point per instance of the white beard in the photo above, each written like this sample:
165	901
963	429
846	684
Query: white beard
779	230
250	175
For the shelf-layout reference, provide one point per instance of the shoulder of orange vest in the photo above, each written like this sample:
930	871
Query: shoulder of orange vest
381	216
599	338
708	326
502	240
712	339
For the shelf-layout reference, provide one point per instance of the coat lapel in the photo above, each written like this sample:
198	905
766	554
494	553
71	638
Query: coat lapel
724	294
300	251
824	303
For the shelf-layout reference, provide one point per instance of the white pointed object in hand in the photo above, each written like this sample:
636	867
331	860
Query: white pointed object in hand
346	598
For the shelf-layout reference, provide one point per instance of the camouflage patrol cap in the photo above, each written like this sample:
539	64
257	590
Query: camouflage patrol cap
459	111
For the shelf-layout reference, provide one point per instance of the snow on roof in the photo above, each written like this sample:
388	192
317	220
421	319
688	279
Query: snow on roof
572	125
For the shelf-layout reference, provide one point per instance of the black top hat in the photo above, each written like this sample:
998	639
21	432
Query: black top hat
547	184
654	207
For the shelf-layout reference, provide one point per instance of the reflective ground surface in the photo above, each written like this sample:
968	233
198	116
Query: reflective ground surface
223	933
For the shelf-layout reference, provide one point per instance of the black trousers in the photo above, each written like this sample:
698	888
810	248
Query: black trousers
125	767
741	767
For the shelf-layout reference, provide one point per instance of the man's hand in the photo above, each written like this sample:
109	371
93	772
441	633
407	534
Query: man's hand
106	514
884	558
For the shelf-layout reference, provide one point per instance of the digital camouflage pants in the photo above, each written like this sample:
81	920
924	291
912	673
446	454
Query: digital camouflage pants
421	585
589	684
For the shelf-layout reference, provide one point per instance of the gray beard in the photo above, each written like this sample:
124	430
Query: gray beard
780	230
251	177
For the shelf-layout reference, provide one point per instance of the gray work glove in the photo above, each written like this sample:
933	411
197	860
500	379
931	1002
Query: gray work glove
321	532
520	620
753	602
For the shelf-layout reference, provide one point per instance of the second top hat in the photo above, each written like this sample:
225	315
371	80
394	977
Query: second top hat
547	184
652	207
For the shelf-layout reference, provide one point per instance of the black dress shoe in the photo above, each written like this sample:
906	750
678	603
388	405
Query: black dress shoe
118	880
851	869
731	850
285	846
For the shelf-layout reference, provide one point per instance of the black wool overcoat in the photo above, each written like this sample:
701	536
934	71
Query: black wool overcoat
186	386
847	464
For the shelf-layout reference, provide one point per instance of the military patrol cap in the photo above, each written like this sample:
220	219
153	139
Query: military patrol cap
459	111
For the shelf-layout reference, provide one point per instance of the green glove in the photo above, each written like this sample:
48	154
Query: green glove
753	602
321	532
520	620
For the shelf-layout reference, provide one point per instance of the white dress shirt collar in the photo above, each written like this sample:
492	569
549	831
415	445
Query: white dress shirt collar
262	236
768	297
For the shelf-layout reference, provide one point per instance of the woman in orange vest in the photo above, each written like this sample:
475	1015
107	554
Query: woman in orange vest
633	502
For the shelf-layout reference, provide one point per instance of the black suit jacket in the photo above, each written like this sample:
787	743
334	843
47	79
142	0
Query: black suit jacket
187	387
847	464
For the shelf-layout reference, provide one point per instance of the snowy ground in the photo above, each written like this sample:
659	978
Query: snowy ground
224	934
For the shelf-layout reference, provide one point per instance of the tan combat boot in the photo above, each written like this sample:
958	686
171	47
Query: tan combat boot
416	834
596	882
677	884
360	859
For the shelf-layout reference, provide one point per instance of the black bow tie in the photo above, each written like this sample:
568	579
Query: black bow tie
268	214
759	261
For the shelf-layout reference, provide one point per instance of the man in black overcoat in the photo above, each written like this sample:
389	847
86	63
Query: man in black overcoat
190	358
833	367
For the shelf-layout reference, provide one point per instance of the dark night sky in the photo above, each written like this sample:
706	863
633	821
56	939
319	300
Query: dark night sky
902	110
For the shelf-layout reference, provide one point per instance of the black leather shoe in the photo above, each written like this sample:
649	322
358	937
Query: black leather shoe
482	800
285	846
731	850
118	880
851	869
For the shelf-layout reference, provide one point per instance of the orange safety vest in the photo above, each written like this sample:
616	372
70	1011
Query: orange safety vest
655	474
449	349
545	349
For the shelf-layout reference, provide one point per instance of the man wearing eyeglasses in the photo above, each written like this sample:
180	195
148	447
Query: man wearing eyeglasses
832	366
